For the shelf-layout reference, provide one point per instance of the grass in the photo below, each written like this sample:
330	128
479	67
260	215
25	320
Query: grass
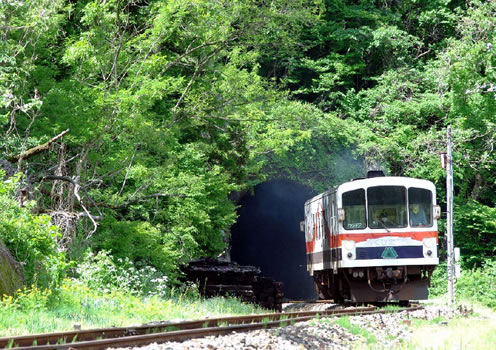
459	333
354	329
477	331
392	307
36	311
42	312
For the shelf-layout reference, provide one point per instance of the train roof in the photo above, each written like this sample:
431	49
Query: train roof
377	181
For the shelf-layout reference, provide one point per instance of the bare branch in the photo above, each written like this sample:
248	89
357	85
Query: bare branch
127	171
422	54
35	150
183	95
7	28
60	178
77	186
190	83
94	217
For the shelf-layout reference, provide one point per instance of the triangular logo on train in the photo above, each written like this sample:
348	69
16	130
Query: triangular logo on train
389	253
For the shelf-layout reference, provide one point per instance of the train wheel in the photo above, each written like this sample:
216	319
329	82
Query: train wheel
322	291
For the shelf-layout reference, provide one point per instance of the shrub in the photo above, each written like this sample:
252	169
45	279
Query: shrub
30	238
100	271
477	284
28	299
141	242
439	281
475	232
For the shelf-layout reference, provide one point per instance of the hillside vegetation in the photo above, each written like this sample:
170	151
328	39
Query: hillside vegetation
129	123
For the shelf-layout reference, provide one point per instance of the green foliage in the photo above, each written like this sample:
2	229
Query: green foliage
30	238
42	311
354	43
28	299
475	232
439	281
168	98
139	241
479	284
476	284
172	106
28	29
100	272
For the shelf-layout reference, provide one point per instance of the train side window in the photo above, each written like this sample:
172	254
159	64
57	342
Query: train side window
318	225
420	207
322	224
321	221
314	227
354	209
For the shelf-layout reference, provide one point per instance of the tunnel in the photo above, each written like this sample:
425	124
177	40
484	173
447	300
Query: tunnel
267	234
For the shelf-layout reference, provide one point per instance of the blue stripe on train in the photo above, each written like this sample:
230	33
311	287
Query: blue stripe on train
404	252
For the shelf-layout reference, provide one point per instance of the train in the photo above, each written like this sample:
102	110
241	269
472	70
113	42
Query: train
373	239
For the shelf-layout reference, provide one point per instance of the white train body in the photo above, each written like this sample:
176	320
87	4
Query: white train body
373	239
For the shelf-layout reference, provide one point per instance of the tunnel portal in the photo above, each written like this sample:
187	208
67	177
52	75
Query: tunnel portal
267	234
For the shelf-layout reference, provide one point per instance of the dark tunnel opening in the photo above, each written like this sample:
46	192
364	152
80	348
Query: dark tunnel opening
267	234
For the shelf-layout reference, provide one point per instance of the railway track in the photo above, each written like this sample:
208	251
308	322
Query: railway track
103	338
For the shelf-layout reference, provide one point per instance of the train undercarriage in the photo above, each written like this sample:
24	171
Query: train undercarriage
374	284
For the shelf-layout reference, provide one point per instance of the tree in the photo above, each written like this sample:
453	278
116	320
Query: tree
167	116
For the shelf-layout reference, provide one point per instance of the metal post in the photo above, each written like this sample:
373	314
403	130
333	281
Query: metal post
449	222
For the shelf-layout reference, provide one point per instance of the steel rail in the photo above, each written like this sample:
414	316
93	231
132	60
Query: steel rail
113	332
136	336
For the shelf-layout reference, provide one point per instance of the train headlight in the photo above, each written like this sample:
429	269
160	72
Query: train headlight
429	242
429	248
349	250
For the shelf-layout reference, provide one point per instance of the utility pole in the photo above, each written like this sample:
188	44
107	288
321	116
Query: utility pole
449	221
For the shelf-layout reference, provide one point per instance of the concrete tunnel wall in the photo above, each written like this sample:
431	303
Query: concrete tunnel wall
267	234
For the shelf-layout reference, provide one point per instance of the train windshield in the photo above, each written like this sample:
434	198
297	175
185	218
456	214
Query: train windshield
420	207
387	207
354	209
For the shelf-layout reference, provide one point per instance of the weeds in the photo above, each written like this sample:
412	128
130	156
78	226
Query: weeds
100	272
354	329
284	321
459	333
478	284
265	322
37	311
345	322
392	307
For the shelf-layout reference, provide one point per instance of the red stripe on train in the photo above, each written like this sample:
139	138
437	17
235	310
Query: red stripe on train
361	237
336	240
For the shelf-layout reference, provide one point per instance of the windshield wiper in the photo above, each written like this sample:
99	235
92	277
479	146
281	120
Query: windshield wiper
383	225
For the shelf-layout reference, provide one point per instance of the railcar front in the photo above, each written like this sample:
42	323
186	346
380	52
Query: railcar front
379	239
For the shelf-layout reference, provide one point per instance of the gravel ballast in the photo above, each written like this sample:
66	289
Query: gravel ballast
386	330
